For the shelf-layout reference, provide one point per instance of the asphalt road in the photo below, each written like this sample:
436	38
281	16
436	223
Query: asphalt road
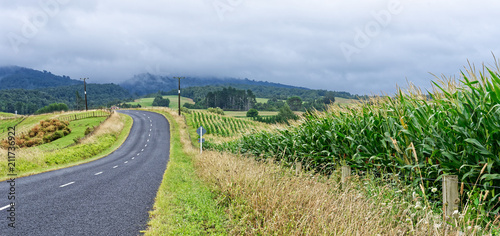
109	196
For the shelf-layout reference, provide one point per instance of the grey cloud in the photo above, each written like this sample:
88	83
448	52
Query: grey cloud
293	42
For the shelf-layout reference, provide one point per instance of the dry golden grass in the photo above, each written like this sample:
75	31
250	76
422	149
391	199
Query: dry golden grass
266	199
113	125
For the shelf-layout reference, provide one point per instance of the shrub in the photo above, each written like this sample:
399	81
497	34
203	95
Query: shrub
252	113
216	110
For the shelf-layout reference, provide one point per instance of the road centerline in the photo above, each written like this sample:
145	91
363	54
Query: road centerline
98	173
64	185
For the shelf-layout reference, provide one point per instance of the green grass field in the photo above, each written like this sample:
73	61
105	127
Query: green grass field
78	128
148	102
4	114
243	114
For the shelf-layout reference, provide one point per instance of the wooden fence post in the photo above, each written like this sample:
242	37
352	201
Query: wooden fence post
450	194
346	173
298	168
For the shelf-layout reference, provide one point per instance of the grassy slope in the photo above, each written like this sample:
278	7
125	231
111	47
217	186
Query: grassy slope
78	128
33	161
4	114
184	204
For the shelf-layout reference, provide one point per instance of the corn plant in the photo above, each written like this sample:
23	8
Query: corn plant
455	129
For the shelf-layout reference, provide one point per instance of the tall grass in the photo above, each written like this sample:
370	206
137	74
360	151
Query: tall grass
454	129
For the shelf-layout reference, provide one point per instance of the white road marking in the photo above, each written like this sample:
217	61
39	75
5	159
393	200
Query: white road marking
148	141
115	167
126	162
133	158
138	154
151	124
98	173
150	130
64	185
145	145
5	207
142	150
149	136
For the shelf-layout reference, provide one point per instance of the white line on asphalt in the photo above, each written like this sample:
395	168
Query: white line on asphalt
133	158
64	185
142	150
148	141
98	173
151	124
149	135
138	154
145	145
126	162
114	167
150	130
5	207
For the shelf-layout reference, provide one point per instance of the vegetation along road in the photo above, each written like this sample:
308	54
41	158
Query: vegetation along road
109	196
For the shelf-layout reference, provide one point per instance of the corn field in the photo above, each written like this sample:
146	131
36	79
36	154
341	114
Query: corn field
453	130
219	125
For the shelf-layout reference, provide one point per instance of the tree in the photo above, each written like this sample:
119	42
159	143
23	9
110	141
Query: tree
295	103
329	97
161	102
252	113
286	113
80	103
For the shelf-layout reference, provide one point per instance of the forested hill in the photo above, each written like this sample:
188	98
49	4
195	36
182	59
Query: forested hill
28	101
147	83
14	77
262	91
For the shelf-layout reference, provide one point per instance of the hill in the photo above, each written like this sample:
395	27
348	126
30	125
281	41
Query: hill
143	84
28	101
15	77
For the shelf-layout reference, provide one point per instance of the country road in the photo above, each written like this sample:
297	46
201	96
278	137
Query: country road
109	196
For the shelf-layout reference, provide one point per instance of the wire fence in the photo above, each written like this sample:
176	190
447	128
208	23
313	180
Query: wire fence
459	191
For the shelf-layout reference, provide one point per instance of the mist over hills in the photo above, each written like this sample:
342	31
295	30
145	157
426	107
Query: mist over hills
143	84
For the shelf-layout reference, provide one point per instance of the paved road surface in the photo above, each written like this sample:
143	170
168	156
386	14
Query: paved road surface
110	196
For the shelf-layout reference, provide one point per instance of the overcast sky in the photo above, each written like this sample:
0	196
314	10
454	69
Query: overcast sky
363	47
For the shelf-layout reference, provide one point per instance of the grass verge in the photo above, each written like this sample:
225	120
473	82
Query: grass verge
106	139
184	204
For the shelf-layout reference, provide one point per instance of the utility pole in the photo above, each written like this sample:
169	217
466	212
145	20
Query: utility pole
85	89
179	78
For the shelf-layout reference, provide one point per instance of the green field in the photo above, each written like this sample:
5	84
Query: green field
148	102
78	128
243	114
3	114
262	100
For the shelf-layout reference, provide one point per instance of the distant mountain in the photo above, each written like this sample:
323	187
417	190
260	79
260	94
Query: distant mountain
15	77
143	84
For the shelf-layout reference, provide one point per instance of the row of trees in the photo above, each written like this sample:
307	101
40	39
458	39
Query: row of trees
231	99
52	108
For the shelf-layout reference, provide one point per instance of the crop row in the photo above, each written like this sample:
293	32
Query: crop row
220	125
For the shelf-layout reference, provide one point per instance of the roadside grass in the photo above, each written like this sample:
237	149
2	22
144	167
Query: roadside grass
78	128
263	198
105	140
184	204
